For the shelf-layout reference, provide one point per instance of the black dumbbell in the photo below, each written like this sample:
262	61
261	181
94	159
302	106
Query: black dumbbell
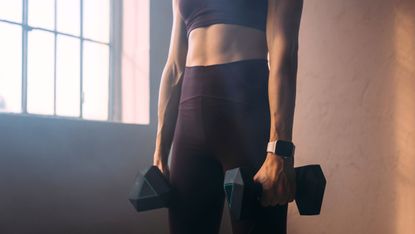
151	190
242	193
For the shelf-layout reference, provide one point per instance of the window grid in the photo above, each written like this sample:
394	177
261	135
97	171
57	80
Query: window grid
24	55
54	56
81	59
27	28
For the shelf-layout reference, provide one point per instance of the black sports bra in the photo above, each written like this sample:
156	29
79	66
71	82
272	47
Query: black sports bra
201	13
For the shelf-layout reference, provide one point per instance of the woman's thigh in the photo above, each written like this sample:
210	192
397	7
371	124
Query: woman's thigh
195	175
269	220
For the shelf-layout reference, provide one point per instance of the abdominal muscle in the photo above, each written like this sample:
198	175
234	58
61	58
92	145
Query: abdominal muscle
223	43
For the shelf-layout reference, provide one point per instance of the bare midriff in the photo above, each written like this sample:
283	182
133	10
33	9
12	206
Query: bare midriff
223	43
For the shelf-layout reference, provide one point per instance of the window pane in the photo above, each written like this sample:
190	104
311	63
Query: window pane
40	72
97	19
68	16
95	81
10	68
41	13
67	76
11	10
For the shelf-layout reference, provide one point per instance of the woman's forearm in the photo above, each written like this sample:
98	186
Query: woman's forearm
283	24
169	96
282	94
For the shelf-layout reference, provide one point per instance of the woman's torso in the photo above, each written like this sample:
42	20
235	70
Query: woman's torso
221	31
222	43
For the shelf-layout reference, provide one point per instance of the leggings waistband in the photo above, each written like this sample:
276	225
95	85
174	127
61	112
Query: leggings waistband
243	81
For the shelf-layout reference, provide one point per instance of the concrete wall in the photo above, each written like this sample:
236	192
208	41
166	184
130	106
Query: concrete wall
354	115
69	176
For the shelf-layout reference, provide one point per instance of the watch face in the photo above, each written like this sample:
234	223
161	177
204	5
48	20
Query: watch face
285	148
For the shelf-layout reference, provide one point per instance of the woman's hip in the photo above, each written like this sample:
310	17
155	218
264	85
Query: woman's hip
244	81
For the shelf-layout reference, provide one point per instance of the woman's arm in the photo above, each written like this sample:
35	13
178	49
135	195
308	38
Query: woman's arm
170	88
283	21
282	31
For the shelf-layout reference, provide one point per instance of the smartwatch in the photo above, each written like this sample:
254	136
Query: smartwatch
282	148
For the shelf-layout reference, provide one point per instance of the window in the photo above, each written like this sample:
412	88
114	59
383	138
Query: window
57	57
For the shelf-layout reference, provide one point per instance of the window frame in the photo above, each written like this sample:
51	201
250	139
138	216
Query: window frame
114	46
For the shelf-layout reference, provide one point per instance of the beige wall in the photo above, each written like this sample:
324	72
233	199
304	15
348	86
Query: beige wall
355	114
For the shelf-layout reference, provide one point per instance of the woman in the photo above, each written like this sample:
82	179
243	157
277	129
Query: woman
221	101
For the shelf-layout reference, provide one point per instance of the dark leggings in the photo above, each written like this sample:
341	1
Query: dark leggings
223	123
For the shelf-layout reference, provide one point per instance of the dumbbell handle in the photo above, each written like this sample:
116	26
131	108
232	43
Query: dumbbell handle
257	187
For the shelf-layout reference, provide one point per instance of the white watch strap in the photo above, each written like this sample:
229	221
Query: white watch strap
271	146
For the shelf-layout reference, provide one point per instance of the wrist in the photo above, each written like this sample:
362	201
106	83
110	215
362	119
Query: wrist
281	148
274	158
158	158
280	162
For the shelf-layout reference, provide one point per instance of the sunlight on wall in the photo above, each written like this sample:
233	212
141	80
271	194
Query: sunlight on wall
404	26
135	62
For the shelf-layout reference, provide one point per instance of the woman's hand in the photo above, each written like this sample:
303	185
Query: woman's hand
277	176
163	166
